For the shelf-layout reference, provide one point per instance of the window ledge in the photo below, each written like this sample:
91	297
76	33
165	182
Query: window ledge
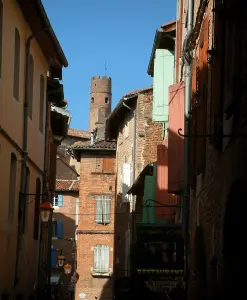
95	274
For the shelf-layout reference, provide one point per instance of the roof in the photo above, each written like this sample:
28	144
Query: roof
79	133
137	187
67	185
100	145
164	39
36	17
120	110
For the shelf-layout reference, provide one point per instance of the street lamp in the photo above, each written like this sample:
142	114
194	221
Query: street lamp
60	260
45	211
67	269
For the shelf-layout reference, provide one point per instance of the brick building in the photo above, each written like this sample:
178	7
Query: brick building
95	233
137	139
66	212
217	146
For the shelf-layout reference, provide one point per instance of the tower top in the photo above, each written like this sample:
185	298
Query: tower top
101	78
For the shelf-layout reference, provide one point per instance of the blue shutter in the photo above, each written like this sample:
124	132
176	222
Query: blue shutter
59	229
53	258
60	200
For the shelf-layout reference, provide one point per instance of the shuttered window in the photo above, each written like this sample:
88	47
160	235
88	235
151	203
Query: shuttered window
36	210
30	88
16	65
103	209
53	258
1	35
60	200
41	103
101	259
163	78
125	182
59	229
108	165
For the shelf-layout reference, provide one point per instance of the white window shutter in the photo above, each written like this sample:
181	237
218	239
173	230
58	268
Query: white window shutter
101	258
106	209
98	216
126	182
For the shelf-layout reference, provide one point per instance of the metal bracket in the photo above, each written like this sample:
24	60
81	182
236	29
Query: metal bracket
147	204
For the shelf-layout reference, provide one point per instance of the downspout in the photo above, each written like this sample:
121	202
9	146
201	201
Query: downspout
187	97
22	196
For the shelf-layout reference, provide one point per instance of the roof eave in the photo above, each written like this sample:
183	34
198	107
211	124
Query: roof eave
156	45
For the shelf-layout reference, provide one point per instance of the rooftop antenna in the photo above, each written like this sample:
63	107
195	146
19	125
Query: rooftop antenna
105	68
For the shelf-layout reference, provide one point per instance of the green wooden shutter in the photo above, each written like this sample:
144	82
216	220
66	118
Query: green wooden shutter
163	78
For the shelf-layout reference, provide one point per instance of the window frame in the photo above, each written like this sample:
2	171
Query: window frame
101	266
103	209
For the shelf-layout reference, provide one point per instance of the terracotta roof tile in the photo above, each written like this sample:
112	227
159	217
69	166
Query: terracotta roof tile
67	185
96	145
135	92
79	133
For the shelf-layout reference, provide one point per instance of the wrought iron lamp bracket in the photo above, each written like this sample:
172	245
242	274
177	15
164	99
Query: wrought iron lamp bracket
243	135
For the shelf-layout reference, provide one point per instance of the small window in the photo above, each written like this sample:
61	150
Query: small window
30	89
106	100
57	229
1	34
16	65
41	103
103	209
101	259
36	210
58	200
12	186
92	100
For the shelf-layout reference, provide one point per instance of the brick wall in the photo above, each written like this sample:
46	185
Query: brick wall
93	182
66	214
148	136
210	194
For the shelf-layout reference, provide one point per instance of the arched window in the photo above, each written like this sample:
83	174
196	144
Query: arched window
26	202
16	65
12	186
36	210
1	35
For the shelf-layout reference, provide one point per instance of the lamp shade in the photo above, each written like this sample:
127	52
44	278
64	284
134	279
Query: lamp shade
67	269
60	260
45	211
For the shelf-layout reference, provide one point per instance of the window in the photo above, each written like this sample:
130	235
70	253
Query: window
57	229
53	258
16	65
41	103
36	210
12	186
92	100
1	34
103	209
58	200
108	165
30	88
101	259
25	202
106	100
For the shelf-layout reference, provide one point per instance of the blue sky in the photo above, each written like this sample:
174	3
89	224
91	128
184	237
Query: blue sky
118	32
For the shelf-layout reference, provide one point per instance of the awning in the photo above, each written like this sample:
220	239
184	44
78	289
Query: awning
138	186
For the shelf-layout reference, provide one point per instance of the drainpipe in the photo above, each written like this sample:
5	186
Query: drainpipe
22	196
187	97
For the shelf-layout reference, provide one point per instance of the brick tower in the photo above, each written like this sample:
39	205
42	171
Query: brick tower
100	103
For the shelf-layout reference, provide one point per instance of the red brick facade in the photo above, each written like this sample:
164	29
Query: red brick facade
97	178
